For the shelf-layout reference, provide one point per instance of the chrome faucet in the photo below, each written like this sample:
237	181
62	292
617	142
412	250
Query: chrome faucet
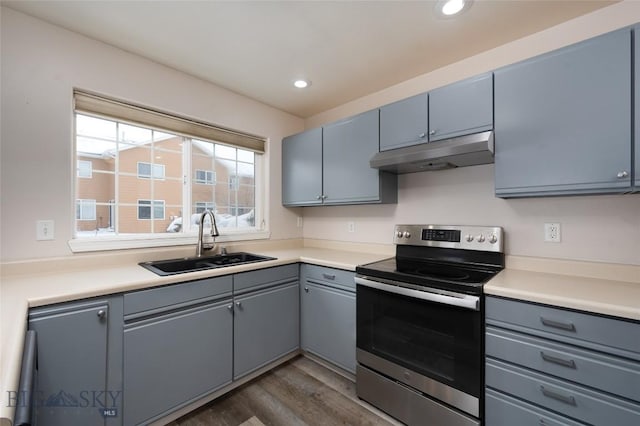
214	233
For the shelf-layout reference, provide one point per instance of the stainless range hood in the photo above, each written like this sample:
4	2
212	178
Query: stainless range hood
468	150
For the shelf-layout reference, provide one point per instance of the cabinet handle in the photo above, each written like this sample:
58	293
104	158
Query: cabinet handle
567	399
306	289
324	197
329	277
230	308
557	360
557	324
623	174
422	135
102	314
319	197
432	132
239	304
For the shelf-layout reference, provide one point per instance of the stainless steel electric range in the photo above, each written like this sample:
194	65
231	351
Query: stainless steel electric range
420	323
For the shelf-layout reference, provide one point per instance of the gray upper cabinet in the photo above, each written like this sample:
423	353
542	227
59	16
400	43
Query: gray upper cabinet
348	145
636	34
302	168
74	379
404	123
462	108
563	120
330	166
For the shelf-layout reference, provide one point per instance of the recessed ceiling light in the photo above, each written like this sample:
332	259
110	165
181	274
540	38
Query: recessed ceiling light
301	84
449	8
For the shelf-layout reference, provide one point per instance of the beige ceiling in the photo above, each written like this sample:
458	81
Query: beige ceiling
348	49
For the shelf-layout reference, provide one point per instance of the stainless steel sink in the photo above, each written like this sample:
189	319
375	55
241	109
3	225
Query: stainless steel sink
192	264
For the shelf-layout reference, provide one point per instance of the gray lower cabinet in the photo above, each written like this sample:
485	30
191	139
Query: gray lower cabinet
178	346
461	108
328	315
266	321
79	362
547	365
302	168
404	123
563	120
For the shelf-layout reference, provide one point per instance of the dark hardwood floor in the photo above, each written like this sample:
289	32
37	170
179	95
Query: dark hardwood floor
299	392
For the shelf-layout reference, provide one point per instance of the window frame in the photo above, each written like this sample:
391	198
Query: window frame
205	181
78	169
189	234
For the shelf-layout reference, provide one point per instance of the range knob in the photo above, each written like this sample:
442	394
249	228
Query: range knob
480	238
406	234
469	238
399	234
493	239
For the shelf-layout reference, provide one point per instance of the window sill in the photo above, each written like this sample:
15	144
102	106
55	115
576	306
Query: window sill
83	245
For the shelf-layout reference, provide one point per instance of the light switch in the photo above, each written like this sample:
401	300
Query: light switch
44	230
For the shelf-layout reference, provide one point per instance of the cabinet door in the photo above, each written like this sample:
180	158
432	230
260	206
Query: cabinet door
174	359
461	108
348	145
302	168
329	324
404	123
72	364
563	120
266	327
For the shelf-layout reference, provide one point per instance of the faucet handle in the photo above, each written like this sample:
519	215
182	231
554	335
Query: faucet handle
223	250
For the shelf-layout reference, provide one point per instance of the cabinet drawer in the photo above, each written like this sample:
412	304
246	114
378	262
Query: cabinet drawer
574	401
606	334
158	298
502	410
264	277
329	276
611	374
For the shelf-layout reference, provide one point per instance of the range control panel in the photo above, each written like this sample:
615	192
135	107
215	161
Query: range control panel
485	238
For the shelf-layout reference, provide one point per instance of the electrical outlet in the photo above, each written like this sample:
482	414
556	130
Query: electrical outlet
299	223
44	230
351	226
552	232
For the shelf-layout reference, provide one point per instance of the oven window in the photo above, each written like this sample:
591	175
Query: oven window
439	341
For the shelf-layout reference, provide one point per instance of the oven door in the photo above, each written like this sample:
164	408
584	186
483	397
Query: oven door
431	341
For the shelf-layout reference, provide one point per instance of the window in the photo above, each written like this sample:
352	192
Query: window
145	211
205	177
84	169
145	170
86	209
201	206
151	182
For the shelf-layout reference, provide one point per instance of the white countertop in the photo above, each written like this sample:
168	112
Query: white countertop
599	288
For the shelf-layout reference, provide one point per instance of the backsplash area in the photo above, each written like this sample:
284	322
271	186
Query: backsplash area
601	228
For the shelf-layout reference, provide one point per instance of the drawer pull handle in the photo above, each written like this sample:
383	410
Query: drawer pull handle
329	277
567	399
557	360
557	324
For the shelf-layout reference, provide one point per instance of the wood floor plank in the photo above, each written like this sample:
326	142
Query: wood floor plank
300	392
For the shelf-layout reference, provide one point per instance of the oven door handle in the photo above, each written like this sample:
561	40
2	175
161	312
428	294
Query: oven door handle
461	300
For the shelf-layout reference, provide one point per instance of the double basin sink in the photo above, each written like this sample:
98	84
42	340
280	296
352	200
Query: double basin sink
192	264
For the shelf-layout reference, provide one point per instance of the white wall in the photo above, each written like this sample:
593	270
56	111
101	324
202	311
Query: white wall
41	64
597	228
